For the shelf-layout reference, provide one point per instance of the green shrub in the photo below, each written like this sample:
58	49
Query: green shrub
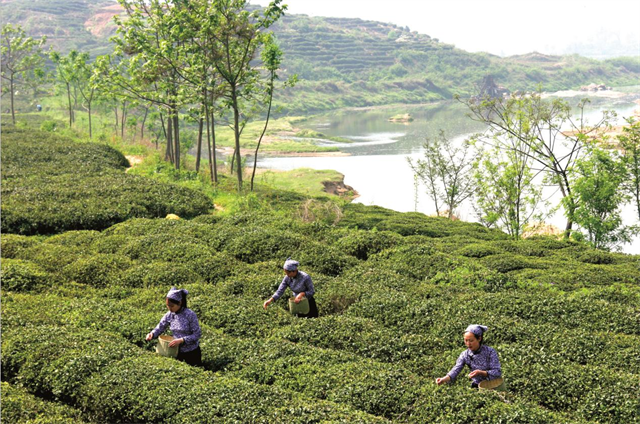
420	262
508	262
51	257
111	243
51	184
20	406
20	275
361	244
170	247
13	244
237	315
74	238
124	391
458	404
479	250
58	360
328	260
254	244
159	274
99	270
356	335
597	257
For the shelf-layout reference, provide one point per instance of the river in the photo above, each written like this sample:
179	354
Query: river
377	166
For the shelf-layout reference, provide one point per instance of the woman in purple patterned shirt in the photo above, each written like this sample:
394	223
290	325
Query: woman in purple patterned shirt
301	286
183	323
483	360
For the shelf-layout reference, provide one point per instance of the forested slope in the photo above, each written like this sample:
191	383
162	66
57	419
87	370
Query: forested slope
347	62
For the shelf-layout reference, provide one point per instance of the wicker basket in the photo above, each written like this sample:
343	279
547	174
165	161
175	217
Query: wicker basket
163	348
301	308
495	384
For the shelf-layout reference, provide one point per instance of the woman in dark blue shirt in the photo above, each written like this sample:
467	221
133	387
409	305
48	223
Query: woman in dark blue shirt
301	286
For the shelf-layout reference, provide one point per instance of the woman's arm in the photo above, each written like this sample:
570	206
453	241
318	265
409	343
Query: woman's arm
310	290
194	326
162	325
460	362
494	370
281	288
443	380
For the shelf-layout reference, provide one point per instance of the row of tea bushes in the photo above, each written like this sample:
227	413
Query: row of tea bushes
392	311
51	184
20	406
321	347
110	380
312	358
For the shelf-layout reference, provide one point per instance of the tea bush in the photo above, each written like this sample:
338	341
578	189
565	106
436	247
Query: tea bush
323	259
361	244
158	274
125	390
479	250
51	184
20	275
254	244
20	406
99	270
13	244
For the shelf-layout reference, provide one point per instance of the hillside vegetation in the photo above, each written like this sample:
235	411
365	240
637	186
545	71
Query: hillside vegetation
345	62
52	184
84	25
395	291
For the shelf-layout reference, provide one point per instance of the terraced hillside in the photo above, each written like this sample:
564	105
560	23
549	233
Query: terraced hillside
83	25
347	62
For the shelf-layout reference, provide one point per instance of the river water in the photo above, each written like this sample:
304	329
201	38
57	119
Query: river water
377	166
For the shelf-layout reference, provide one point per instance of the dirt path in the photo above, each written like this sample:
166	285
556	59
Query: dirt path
133	161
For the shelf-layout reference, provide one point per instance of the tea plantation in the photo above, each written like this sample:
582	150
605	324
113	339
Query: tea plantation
87	259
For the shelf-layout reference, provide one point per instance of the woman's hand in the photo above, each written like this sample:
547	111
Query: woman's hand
478	373
443	380
149	337
176	342
267	303
299	297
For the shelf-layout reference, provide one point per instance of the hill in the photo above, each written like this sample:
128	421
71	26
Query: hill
348	62
83	25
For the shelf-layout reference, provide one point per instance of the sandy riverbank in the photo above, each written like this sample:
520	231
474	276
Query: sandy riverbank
605	94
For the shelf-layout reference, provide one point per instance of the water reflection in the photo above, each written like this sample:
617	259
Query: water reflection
376	135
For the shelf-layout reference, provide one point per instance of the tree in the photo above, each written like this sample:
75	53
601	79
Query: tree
505	193
630	144
69	70
446	172
554	138
271	57
597	198
239	35
21	56
86	84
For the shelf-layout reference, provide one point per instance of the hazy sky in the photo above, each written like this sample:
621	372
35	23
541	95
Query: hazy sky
502	27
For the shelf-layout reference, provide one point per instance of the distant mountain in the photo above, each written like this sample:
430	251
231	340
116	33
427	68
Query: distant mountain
83	25
347	62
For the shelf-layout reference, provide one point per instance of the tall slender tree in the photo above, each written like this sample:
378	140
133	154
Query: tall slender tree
239	36
630	143
21	56
271	57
